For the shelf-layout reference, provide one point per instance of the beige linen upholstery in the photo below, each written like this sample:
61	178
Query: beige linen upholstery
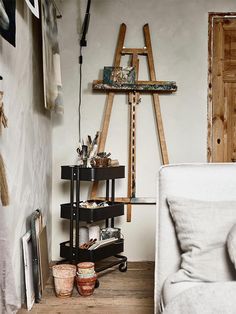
231	245
202	228
210	182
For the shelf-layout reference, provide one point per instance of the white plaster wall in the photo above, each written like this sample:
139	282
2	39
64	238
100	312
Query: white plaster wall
179	33
26	143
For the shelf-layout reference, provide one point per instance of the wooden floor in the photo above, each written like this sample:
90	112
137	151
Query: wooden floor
119	293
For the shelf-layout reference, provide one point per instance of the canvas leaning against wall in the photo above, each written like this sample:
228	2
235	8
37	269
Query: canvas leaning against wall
7	20
33	6
51	58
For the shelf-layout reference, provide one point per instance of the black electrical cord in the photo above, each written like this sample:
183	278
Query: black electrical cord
83	43
80	92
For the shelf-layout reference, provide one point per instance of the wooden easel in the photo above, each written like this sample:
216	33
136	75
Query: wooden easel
153	87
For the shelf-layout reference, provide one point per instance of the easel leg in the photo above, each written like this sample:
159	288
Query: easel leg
161	135
129	212
156	102
103	135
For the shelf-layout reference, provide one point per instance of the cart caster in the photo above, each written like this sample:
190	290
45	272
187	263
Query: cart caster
123	267
97	284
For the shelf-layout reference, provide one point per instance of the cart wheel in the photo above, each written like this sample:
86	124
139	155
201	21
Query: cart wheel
123	267
97	284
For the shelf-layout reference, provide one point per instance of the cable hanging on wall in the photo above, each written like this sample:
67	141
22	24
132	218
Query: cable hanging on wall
83	43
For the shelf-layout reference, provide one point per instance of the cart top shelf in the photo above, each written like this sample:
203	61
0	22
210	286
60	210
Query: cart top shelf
92	174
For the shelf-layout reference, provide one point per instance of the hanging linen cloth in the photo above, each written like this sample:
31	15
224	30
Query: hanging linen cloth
9	302
51	58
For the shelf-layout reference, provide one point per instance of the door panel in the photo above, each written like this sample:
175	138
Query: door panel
222	141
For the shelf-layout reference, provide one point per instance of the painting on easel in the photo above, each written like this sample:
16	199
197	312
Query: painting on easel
119	75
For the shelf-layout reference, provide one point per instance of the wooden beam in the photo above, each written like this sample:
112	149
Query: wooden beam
142	86
131	51
156	102
109	102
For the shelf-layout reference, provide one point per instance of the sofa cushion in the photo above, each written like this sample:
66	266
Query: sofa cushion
231	245
202	228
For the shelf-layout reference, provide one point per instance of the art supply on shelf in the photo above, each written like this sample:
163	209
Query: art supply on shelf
93	204
94	232
102	243
100	162
83	235
87	245
107	233
87	150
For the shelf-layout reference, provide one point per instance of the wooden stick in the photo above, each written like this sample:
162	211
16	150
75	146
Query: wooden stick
156	102
103	135
131	51
134	98
3	184
109	103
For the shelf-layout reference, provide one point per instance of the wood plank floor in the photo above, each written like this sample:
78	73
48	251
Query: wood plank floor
119	293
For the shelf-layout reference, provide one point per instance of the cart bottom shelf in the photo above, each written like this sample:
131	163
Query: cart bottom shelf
90	255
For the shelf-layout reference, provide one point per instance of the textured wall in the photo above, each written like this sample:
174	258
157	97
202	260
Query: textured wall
26	144
179	32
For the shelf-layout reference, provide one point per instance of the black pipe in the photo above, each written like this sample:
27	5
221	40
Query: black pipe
83	41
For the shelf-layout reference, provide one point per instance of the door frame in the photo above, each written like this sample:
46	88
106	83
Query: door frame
211	17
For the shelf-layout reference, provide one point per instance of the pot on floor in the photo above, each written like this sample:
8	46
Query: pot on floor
86	278
64	276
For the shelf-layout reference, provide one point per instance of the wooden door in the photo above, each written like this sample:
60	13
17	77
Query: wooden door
222	89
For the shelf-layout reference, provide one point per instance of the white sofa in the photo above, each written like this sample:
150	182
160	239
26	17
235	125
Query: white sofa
210	182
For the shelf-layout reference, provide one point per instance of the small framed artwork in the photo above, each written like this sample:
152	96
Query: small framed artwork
28	269
119	75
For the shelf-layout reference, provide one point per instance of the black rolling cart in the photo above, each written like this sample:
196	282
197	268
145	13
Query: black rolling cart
70	249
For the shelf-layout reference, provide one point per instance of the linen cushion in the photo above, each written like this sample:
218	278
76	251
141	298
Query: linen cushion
202	228
231	244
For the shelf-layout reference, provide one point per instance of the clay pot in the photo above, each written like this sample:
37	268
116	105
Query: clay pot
86	278
86	268
86	286
64	276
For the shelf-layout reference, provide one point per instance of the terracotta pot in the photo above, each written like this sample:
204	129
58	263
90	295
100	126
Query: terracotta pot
86	286
85	265
64	276
86	268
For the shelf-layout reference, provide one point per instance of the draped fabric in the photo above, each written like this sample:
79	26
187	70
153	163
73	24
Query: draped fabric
9	302
51	58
